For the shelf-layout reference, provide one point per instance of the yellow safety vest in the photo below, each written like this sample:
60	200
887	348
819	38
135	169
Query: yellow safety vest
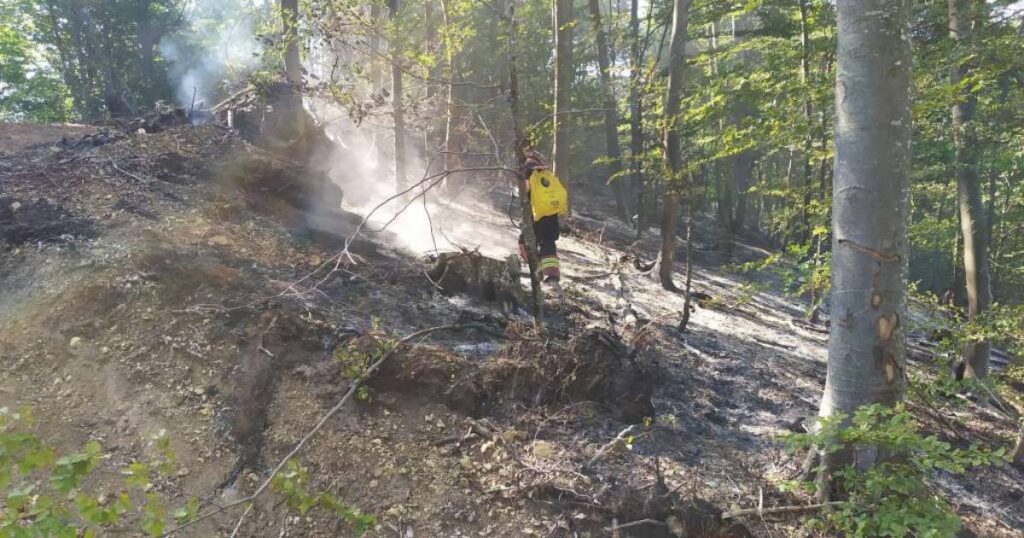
547	195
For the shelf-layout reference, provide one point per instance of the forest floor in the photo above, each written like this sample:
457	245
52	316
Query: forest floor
148	287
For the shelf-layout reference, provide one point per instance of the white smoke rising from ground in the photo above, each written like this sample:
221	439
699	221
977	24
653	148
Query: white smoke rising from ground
216	45
445	223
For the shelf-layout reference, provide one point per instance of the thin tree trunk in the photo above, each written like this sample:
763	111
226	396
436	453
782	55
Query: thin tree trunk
636	142
532	258
611	113
672	148
562	18
397	112
866	355
687	302
449	97
963	16
805	80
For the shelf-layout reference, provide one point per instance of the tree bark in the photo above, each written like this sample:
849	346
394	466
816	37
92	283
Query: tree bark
449	96
292	63
636	142
805	80
672	143
526	226
870	212
611	113
397	112
963	16
562	18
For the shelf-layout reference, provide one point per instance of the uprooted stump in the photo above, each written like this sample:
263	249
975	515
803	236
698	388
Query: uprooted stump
476	275
596	366
432	373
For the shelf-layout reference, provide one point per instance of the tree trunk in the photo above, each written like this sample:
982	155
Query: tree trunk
563	18
449	103
146	34
805	80
636	142
292	63
870	210
687	301
742	175
292	124
963	16
611	113
526	226
397	112
672	144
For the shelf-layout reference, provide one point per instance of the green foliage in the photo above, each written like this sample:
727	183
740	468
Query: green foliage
30	87
357	355
46	496
892	498
292	484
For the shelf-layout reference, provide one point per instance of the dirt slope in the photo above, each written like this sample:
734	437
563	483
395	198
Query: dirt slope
160	282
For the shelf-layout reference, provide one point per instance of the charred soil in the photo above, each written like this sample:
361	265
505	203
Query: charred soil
186	281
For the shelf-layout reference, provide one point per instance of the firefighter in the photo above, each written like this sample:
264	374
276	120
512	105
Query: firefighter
548	199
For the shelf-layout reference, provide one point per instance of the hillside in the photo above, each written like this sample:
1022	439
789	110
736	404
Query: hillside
187	282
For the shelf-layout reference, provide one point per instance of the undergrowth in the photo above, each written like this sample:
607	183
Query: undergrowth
58	496
893	498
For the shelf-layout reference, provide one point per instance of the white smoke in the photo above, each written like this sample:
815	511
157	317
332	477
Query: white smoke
362	165
216	45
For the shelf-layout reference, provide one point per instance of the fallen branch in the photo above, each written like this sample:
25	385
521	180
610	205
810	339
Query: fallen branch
127	173
773	343
238	526
777	510
358	382
648	521
611	444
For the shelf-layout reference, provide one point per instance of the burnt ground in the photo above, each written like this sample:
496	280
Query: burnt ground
160	282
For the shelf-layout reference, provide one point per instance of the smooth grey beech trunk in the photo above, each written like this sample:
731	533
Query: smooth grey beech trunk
672	143
964	15
562	19
870	209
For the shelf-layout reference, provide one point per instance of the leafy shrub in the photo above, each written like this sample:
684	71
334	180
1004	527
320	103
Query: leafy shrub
44	495
892	498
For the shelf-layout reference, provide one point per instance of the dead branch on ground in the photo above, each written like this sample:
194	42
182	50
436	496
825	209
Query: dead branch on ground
776	510
610	445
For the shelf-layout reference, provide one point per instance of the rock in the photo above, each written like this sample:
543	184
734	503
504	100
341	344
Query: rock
76	341
15	206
